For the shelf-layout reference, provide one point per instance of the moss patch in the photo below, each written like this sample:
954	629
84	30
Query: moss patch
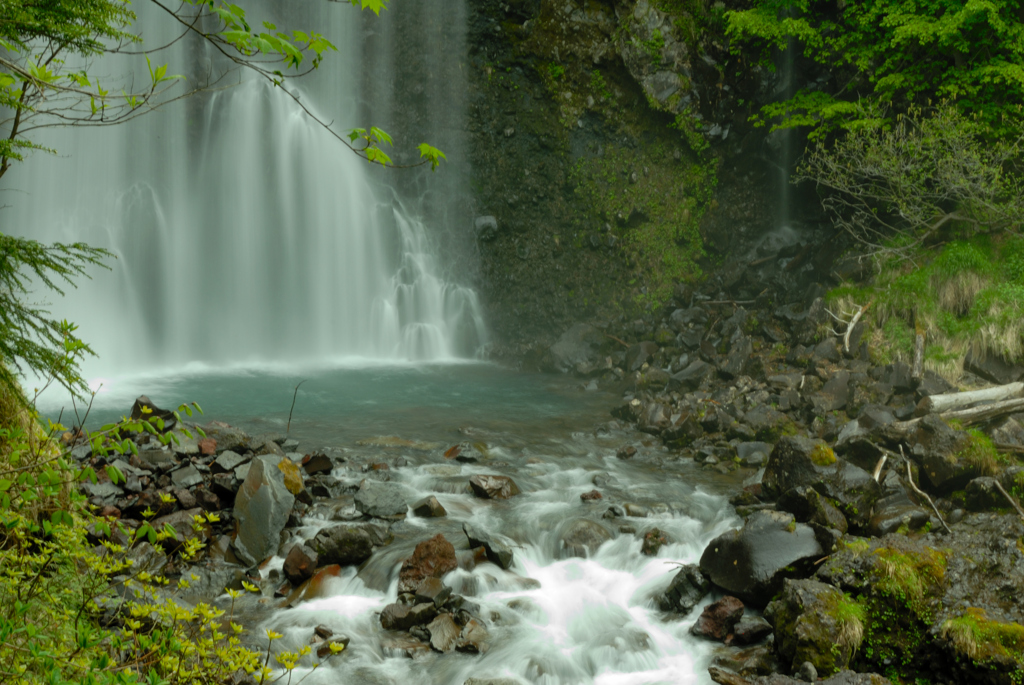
822	455
985	643
967	295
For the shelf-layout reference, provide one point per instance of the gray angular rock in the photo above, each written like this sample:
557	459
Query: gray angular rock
382	500
262	507
809	629
752	562
578	345
690	378
687	589
498	551
428	507
227	462
186	477
795	461
346	544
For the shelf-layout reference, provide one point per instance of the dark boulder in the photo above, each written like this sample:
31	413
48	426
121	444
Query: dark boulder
429	507
808	506
815	623
687	589
346	544
640	354
382	500
752	562
690	378
498	551
582	537
795	461
579	345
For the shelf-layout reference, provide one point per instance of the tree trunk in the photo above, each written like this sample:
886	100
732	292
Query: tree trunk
960	400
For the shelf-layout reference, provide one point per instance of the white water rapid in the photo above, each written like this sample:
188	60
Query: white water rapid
552	618
243	232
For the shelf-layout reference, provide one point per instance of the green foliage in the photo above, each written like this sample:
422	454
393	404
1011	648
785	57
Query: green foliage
74	613
556	71
965	295
900	54
656	213
598	85
978	452
986	643
29	339
822	455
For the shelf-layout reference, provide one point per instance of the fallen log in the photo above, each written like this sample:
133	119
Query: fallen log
967	417
960	400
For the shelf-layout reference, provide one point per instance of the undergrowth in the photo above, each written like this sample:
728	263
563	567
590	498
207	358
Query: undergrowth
76	613
967	295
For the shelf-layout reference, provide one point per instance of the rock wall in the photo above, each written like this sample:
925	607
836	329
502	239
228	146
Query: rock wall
597	133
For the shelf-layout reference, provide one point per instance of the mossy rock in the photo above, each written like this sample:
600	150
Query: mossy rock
815	622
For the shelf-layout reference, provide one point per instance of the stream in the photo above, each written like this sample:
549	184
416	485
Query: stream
553	619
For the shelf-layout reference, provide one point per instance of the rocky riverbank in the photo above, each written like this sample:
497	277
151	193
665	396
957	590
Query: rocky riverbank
879	536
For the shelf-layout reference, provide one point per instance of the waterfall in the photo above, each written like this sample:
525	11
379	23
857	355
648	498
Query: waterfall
243	231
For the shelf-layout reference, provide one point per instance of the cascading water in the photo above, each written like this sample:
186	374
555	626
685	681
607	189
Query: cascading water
243	231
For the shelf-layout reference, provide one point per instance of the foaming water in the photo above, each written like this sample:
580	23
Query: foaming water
553	619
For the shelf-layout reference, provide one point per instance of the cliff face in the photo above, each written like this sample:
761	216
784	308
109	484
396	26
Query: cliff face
612	157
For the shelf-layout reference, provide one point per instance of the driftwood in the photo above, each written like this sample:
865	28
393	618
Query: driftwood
920	492
853	322
960	400
967	417
1011	500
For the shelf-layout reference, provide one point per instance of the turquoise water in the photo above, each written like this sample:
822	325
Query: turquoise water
343	404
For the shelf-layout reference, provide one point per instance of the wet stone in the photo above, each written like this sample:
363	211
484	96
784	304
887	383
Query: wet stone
718	619
494	487
432	590
428	507
443	633
590	496
186	477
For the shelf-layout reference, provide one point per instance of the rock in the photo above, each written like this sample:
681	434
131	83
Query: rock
768	424
443	632
815	623
626	452
834	394
431	559
432	590
493	487
485	228
105	492
808	506
207	447
653	541
640	354
143	409
794	462
718	618
186	477
752	562
807	672
428	507
750	630
300	564
934	446
982	494
690	378
262	506
207	499
498	552
401	617
753	453
739	361
591	496
227	462
473	638
381	500
891	514
687	589
851	489
582	537
345	545
317	462
183	523
993	368
578	345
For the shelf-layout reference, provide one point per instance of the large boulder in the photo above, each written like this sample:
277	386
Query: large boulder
936	448
808	506
381	500
431	559
262	507
814	622
348	544
795	461
752	562
582	537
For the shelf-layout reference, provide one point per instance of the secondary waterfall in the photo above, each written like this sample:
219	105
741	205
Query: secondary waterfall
243	231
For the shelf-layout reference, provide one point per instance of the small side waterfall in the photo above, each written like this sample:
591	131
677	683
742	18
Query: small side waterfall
243	231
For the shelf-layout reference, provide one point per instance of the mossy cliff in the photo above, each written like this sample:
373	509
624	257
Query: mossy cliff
598	135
